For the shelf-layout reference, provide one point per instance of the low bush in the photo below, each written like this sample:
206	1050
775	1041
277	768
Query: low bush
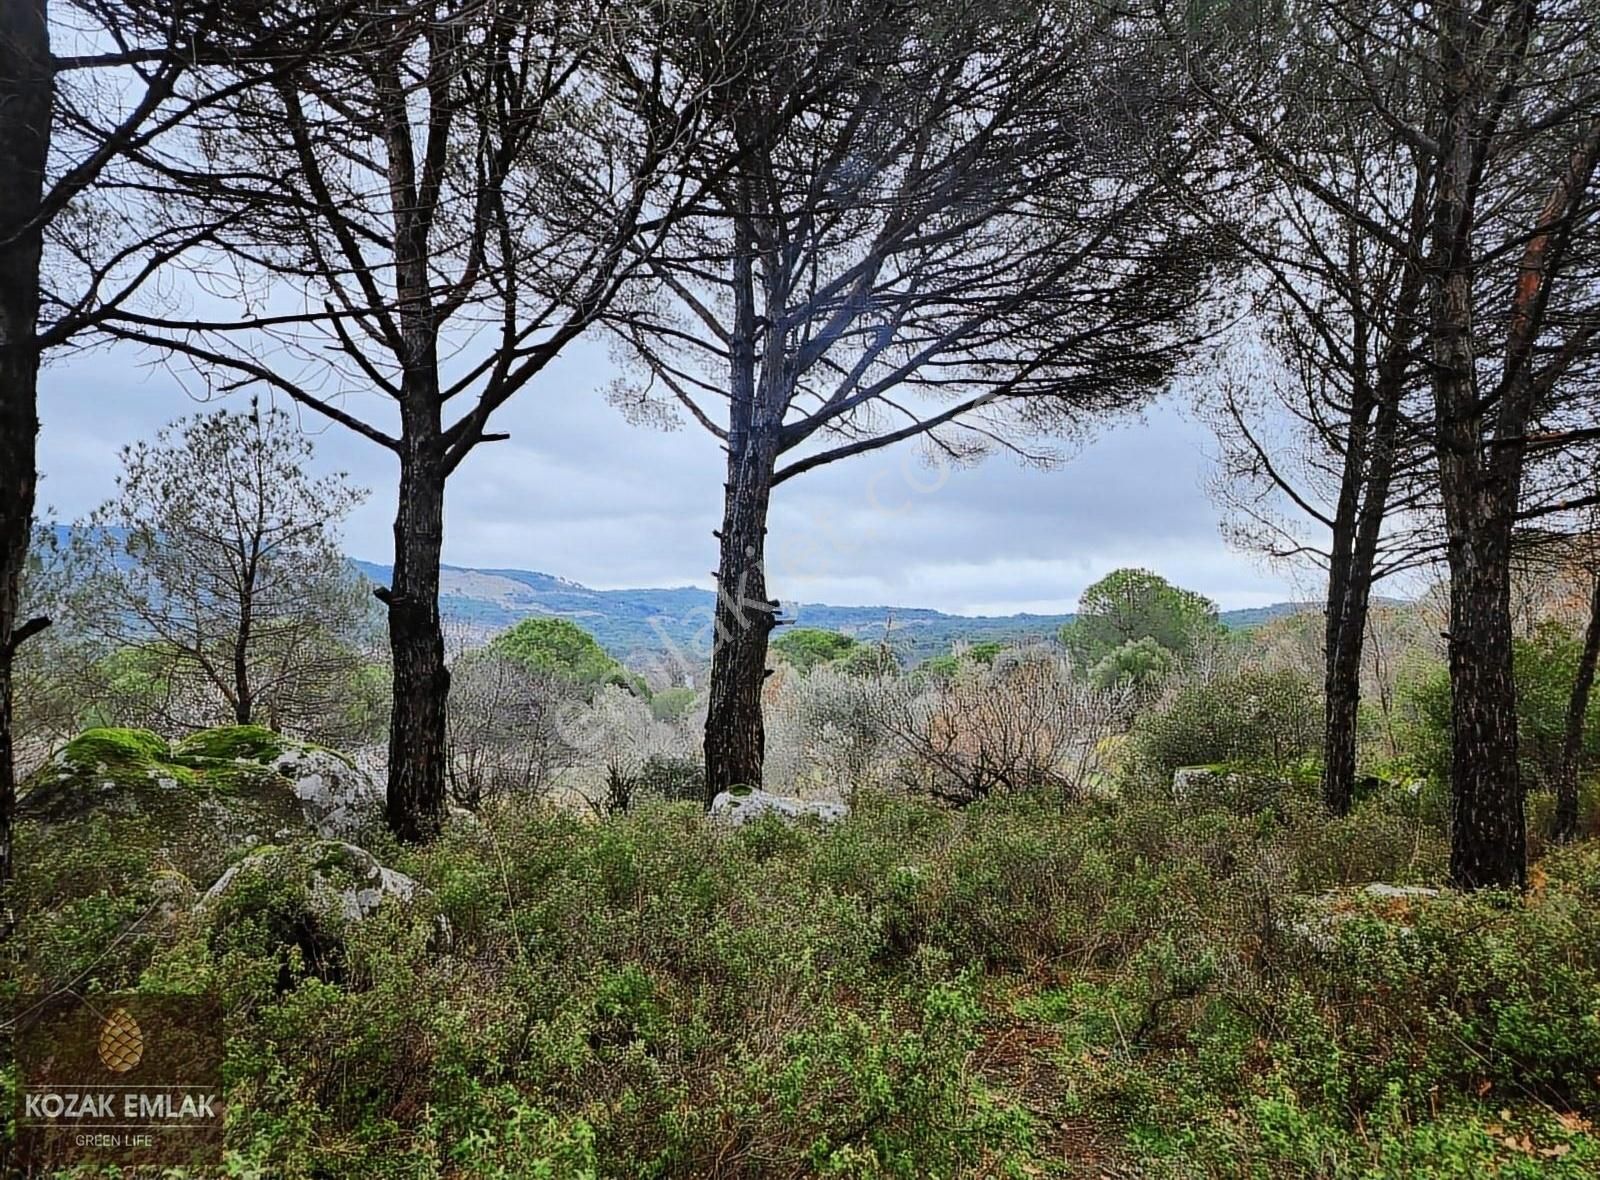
920	991
1268	719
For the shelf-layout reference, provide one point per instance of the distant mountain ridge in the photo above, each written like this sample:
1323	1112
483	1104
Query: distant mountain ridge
633	623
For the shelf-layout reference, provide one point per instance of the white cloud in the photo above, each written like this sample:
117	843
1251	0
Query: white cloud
579	493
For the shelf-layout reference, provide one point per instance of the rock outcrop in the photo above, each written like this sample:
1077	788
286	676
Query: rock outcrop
114	806
306	895
1318	919
743	805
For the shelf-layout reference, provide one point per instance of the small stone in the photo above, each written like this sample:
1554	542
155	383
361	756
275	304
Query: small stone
740	806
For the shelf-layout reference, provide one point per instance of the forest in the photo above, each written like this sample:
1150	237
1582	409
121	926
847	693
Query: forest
317	878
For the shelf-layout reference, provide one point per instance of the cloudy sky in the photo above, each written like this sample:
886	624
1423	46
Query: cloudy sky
579	493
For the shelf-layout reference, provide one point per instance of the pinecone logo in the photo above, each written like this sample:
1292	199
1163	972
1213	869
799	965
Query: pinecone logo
121	1041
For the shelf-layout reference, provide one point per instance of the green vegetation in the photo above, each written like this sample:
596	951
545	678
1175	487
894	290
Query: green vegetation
1138	662
116	749
1155	900
983	652
1005	990
672	704
1083	969
250	743
1122	978
134	682
115	809
1130	605
559	646
1271	719
869	659
1546	663
566	650
806	647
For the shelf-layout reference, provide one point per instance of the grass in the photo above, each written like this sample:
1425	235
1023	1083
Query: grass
1009	990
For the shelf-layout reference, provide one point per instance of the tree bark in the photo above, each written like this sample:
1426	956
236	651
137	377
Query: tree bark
243	697
415	801
735	738
1342	650
26	85
1488	834
1488	844
416	789
1341	709
735	746
1353	602
1358	531
1564	825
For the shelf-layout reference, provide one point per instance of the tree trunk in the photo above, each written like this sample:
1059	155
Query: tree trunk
1341	657
1370	459
745	617
1488	840
1488	835
25	94
1564	826
1341	710
1348	641
243	698
416	794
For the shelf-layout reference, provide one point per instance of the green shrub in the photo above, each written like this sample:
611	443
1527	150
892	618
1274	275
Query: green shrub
672	704
869	659
915	991
673	780
1137	662
1266	719
807	647
565	649
1546	665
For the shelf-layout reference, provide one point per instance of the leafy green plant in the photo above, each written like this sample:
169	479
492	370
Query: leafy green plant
1267	719
1129	605
807	647
1545	666
562	647
913	991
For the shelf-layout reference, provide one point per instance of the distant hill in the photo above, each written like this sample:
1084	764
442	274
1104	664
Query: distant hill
1255	616
630	623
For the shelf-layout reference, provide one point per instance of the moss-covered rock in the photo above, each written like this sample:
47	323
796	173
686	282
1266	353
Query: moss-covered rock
120	831
114	806
147	807
302	898
115	747
233	743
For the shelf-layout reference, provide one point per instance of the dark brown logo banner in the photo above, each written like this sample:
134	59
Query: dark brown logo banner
124	1079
